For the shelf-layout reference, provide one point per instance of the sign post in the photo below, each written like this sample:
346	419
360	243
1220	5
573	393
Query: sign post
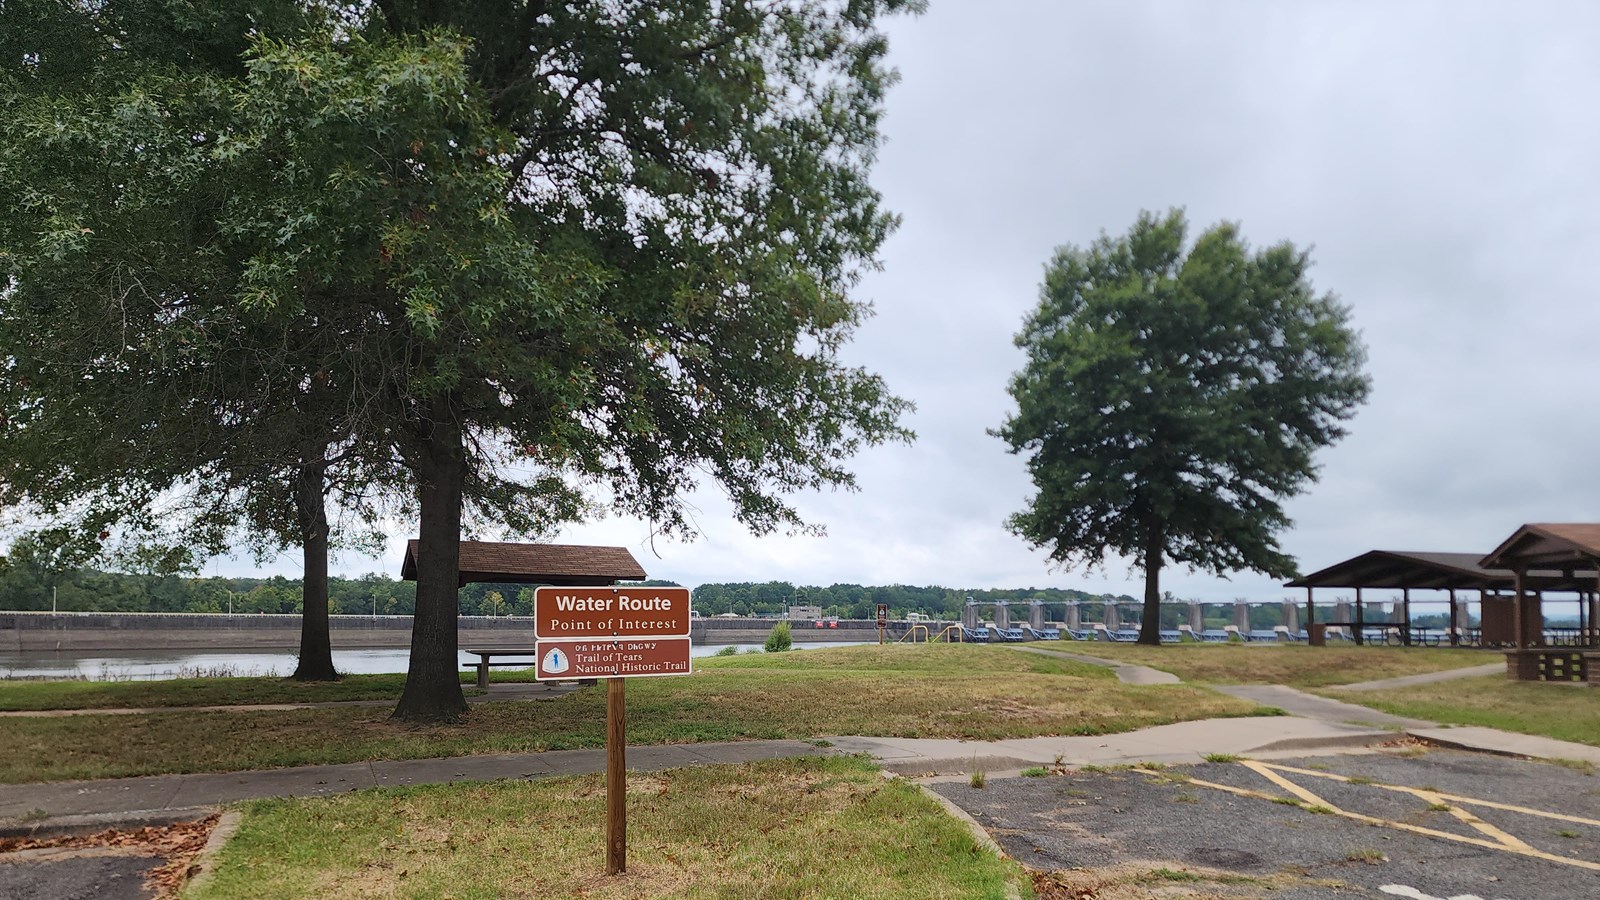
616	777
612	633
883	620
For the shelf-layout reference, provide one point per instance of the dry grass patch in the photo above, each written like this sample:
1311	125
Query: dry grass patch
1291	664
788	828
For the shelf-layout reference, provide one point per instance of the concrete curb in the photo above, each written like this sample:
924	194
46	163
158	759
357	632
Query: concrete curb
1446	744
926	767
1359	739
69	826
1507	744
204	867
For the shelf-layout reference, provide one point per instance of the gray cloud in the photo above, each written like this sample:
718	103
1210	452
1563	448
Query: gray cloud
1439	156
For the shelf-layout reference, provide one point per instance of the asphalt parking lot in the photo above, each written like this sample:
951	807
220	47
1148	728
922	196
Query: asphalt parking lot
76	876
1414	823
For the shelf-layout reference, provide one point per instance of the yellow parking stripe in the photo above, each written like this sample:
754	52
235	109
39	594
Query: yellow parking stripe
1266	772
1514	846
1437	799
1449	798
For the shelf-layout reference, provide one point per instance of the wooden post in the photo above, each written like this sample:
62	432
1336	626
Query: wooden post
616	777
1455	639
1361	620
1516	609
1594	618
1311	609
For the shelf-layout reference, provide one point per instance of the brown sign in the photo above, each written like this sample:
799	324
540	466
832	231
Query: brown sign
883	614
621	658
606	612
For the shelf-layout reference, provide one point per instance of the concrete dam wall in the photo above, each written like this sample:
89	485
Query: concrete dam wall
22	631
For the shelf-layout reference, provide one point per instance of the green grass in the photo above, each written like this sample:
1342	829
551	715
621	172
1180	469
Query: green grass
973	693
1294	665
1560	711
34	696
783	829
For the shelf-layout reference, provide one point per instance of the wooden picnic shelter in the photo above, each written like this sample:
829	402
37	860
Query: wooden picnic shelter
1531	554
1406	571
562	565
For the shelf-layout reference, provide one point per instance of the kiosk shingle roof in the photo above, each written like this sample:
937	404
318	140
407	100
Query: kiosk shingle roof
559	564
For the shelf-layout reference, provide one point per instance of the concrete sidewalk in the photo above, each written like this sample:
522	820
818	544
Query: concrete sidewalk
1299	703
25	808
1184	742
1383	684
88	805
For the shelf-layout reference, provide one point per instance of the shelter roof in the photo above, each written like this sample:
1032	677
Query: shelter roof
1407	569
1444	571
558	564
1550	545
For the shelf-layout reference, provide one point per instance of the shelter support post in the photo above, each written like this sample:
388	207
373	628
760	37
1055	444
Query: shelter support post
1405	611
1361	620
1455	621
1518	636
1311	608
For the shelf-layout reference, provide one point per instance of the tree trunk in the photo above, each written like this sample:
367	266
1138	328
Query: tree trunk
433	682
1154	550
316	653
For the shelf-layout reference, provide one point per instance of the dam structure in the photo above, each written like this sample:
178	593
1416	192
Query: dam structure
92	631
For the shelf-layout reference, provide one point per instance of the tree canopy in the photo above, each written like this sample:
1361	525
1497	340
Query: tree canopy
522	255
1174	396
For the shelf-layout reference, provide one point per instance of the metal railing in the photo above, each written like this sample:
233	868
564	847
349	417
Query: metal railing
912	634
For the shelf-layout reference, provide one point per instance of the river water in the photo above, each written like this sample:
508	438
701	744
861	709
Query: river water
159	664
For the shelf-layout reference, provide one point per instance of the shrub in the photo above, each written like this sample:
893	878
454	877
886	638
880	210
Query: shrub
780	639
729	650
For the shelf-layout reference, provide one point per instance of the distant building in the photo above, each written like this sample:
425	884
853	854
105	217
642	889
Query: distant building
805	613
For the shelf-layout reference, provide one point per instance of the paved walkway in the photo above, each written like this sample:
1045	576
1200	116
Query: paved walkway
1299	703
1127	673
1495	668
509	691
24	807
1184	742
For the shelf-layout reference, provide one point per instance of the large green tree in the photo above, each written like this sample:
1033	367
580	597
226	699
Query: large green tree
137	393
1173	397
568	250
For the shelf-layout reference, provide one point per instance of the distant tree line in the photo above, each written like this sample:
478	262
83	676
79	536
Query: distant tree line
24	586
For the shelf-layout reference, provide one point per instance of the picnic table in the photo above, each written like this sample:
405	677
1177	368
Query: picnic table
486	658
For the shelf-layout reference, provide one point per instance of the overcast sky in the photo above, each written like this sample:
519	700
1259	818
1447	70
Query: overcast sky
1439	157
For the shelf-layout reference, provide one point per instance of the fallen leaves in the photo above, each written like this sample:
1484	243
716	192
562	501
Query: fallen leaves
178	844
